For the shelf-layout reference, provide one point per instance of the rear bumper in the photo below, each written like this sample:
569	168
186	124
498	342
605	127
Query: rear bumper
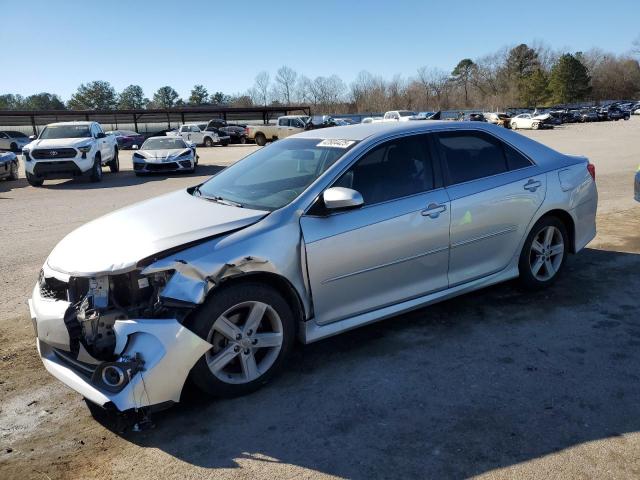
166	349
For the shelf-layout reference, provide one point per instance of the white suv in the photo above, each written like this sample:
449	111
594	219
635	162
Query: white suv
70	149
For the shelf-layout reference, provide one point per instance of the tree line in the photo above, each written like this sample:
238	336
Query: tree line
521	75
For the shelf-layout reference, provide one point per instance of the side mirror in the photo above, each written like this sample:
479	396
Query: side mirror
100	135
32	137
134	147
337	198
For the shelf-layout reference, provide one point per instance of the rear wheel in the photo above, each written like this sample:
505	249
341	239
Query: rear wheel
208	142
252	330
544	253
34	181
243	140
114	164
261	140
96	170
13	147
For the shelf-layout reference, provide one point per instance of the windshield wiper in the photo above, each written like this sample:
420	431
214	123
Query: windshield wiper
216	198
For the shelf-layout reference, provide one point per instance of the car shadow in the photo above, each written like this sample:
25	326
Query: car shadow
126	178
487	380
9	185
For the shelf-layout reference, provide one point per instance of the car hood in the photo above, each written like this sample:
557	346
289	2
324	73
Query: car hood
60	142
162	153
116	242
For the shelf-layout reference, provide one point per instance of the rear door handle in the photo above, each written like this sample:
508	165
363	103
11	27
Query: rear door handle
532	185
434	210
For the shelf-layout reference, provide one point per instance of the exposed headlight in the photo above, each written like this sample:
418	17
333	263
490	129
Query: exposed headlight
25	154
138	155
85	148
186	153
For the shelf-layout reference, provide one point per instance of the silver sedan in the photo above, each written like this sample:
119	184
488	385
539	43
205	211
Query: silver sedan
308	237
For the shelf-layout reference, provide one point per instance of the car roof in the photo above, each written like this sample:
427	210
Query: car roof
76	122
373	132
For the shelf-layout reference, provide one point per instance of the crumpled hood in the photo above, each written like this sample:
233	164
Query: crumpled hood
60	142
116	242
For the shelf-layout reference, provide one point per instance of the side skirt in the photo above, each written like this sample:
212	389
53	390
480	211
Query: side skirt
310	331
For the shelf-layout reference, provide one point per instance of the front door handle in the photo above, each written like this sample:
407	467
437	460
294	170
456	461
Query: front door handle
434	210
532	185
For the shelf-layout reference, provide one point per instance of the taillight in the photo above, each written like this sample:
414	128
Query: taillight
592	170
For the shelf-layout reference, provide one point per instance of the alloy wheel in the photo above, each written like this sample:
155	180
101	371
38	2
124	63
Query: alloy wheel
547	253
247	339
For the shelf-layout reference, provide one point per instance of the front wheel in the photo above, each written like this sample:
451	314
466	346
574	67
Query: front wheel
251	329
96	170
34	181
544	253
114	164
514	126
13	172
208	142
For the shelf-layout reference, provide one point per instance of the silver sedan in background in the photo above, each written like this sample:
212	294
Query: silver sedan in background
313	235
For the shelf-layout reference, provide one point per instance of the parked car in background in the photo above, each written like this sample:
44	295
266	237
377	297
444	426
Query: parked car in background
9	167
192	132
127	138
525	121
12	140
70	149
498	118
214	282
285	127
320	121
371	120
165	154
399	116
635	109
589	115
615	113
474	117
237	134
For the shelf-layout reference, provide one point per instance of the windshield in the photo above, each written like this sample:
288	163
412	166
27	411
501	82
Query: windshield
13	134
166	143
66	131
274	176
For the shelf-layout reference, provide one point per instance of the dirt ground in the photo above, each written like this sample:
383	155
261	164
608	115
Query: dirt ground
494	384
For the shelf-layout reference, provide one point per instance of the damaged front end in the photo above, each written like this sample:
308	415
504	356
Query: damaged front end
113	338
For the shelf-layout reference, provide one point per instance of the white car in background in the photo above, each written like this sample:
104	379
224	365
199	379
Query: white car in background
12	140
70	149
191	132
371	120
399	116
526	121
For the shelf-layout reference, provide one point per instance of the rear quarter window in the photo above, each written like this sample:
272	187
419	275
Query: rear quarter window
471	155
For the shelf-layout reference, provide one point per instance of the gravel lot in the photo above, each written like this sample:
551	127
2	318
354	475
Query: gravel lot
495	384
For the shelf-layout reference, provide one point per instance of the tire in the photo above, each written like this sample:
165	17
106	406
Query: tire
539	266
225	144
114	164
261	140
242	140
232	358
13	147
208	142
34	181
14	173
514	126
96	170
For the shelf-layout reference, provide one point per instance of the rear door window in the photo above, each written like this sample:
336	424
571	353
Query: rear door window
471	155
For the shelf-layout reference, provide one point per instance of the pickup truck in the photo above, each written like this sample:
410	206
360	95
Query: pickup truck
70	149
285	127
194	133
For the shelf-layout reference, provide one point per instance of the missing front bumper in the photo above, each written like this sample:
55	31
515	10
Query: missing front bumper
166	349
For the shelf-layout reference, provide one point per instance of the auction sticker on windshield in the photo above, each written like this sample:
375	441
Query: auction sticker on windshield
335	143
